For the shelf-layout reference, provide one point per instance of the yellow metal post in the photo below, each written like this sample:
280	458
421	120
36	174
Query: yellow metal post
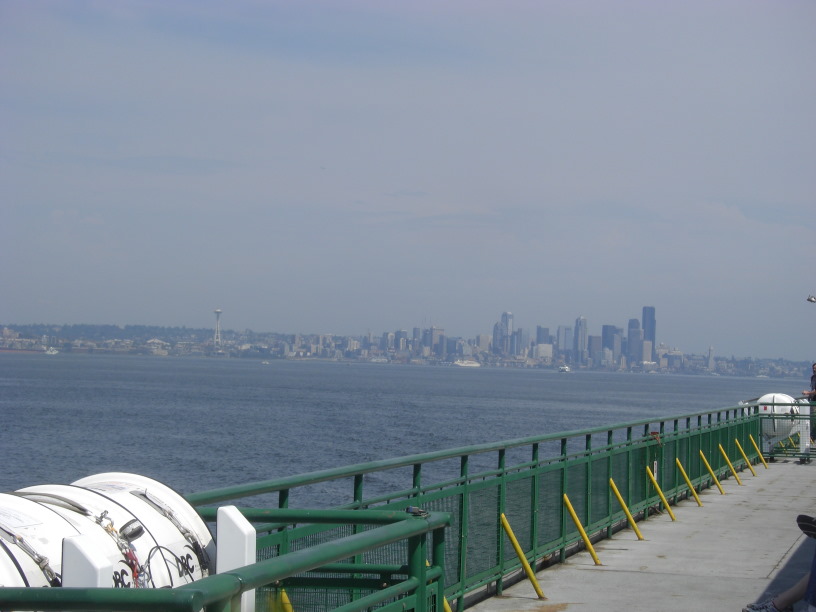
522	558
745	457
710	471
629	516
759	452
660	493
445	603
580	527
688	482
279	601
731	467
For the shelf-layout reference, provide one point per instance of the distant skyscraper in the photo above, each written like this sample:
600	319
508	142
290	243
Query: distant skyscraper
634	351
502	334
542	335
516	343
507	320
649	330
611	337
607	336
498	337
565	341
595	349
438	341
580	340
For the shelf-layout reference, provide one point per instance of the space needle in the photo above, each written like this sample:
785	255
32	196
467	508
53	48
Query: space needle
217	337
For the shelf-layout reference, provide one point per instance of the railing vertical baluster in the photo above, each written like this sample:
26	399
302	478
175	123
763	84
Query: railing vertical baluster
417	569
283	503
438	551
502	508
588	477
464	512
610	466
358	501
685	459
629	467
535	490
562	555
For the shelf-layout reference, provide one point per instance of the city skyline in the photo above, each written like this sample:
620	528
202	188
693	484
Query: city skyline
366	165
568	343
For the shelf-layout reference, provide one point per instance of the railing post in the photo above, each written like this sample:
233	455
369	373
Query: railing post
438	550
358	502
536	495
464	512
609	467
588	476
562	555
647	428
417	569
501	509
629	467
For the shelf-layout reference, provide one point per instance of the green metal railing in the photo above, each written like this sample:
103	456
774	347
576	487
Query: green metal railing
414	584
525	479
367	552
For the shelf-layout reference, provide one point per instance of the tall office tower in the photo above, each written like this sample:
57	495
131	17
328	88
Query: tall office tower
634	352
595	350
649	325
427	339
502	333
438	341
608	336
217	337
518	343
483	342
611	337
580	340
507	320
565	341
515	341
498	334
542	335
648	349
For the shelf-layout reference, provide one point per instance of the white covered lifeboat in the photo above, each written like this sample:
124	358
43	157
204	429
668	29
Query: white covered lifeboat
146	532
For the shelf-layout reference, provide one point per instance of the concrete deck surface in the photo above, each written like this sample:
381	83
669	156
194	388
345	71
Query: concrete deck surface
737	548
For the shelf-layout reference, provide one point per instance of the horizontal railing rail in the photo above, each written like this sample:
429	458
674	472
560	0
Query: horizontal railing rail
277	485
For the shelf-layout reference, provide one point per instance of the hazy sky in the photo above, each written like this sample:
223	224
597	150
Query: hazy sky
345	166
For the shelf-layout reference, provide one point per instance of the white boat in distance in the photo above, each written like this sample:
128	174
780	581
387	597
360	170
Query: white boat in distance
564	368
467	363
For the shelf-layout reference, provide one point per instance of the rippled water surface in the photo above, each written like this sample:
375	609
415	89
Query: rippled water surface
199	424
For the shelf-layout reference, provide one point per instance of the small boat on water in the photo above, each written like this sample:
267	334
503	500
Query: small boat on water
564	368
467	363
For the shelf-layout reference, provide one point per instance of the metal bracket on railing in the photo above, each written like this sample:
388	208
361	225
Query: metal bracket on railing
414	511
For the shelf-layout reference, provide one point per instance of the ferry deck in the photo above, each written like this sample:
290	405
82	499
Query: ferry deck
735	549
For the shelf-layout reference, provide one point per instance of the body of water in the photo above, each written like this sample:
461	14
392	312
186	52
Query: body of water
198	424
